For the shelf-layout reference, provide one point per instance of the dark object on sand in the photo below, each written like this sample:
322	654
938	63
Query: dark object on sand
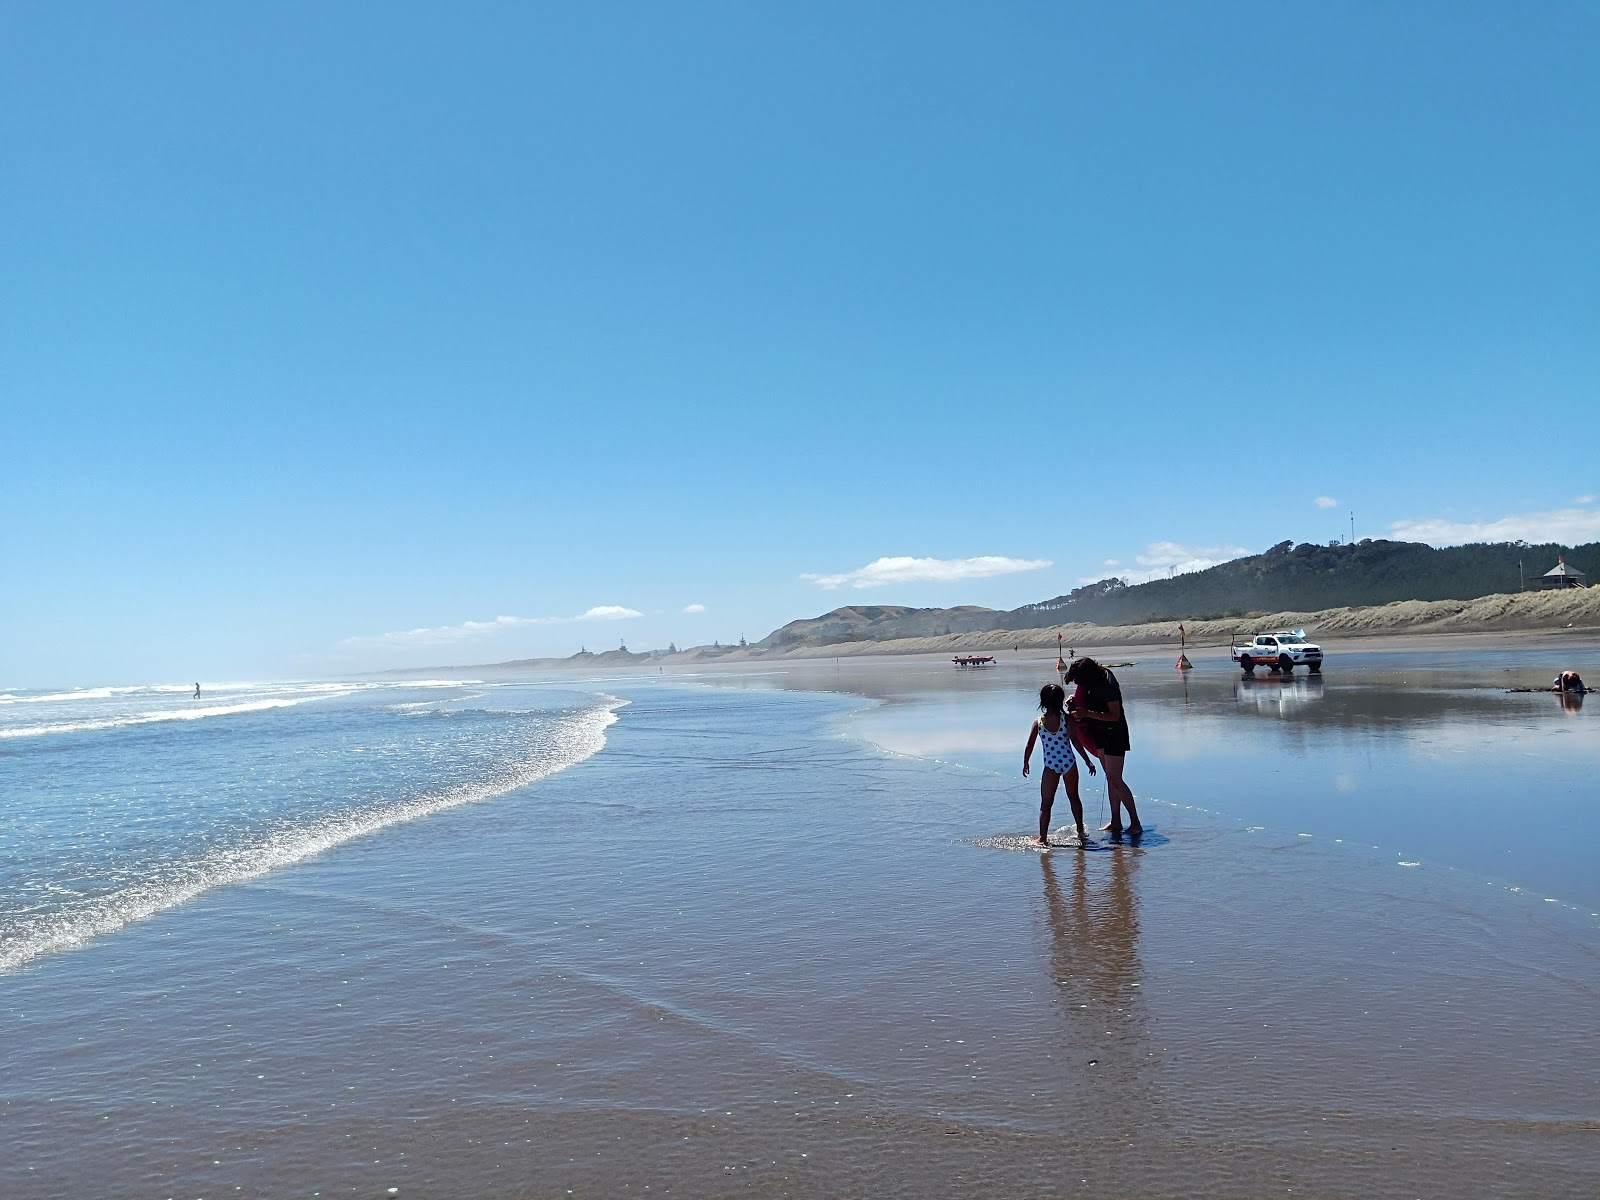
1567	683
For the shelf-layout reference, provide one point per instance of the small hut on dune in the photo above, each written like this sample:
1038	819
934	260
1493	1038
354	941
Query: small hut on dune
1562	575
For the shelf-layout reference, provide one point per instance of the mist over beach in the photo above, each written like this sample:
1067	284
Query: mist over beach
716	601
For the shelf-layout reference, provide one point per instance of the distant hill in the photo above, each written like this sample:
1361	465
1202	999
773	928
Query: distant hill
1286	578
874	622
1308	577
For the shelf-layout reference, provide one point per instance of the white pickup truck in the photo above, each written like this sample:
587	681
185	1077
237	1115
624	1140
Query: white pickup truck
1281	651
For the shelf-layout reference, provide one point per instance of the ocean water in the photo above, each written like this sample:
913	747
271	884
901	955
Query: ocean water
777	934
122	802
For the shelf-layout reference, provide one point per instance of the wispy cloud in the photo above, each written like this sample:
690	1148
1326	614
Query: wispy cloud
883	571
1163	558
694	608
1566	526
447	635
1325	502
1583	499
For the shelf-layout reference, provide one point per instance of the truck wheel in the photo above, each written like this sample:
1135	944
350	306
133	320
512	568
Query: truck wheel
1248	663
1316	667
1286	664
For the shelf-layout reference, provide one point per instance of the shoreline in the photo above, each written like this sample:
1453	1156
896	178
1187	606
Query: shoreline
1516	618
1519	615
1580	640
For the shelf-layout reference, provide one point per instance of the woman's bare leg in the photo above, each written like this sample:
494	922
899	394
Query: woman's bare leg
1115	786
1114	795
1047	801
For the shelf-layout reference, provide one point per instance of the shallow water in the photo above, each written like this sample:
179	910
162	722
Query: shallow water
1427	757
743	949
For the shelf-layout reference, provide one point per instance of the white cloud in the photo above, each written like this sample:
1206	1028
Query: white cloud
694	608
882	571
1583	499
447	635
608	612
1163	558
1113	562
1566	526
1325	502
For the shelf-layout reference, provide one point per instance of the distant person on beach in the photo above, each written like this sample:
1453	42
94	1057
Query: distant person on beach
197	691
1054	729
1102	728
1569	681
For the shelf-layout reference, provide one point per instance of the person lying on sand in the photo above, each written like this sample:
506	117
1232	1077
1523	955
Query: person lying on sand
1055	731
1102	729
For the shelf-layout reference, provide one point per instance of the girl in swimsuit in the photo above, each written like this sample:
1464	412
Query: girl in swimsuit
1056	734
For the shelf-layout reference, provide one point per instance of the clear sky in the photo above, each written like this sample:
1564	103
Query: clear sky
337	336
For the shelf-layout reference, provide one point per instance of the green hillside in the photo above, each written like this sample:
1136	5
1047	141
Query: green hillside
1287	578
1308	577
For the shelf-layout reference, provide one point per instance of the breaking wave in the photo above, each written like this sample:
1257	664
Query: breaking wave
25	936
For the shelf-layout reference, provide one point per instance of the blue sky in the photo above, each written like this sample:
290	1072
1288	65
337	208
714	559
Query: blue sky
345	336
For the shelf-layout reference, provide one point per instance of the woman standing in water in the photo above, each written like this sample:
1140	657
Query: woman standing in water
1055	730
1102	729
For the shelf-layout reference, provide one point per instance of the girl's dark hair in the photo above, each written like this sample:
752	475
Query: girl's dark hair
1085	670
1052	699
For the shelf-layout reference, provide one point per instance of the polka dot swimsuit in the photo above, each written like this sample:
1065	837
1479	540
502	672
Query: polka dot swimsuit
1057	748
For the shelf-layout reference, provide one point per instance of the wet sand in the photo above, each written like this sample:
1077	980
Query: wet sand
757	946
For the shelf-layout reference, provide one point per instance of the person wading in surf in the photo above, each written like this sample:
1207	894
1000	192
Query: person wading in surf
1055	730
1102	729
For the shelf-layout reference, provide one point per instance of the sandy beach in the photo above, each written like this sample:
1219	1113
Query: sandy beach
783	935
1524	615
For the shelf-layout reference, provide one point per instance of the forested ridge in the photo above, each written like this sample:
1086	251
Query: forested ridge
1286	578
1307	577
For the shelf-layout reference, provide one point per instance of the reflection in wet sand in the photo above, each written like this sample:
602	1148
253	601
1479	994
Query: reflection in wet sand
1385	752
1092	911
1275	694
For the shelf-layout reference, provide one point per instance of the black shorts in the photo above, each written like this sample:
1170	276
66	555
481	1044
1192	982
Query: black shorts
1109	737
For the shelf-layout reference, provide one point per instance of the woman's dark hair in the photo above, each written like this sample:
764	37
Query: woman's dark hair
1052	698
1086	670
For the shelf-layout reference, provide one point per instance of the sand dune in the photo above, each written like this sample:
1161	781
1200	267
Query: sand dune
1572	608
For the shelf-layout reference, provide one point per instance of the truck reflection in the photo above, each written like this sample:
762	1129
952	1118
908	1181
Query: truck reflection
1277	695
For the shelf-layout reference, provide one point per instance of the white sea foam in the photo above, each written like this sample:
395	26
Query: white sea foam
575	738
151	718
56	697
413	705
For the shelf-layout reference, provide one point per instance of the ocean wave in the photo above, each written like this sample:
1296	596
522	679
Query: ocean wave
575	737
101	693
414	705
150	718
183	689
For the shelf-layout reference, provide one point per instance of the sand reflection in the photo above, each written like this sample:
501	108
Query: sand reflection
1092	912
